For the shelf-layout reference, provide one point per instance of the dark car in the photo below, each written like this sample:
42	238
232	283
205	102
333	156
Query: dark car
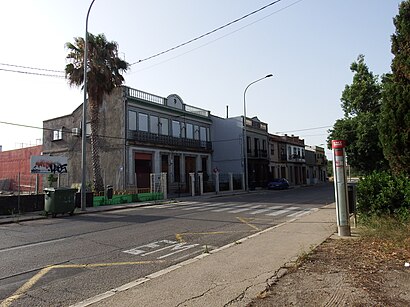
278	184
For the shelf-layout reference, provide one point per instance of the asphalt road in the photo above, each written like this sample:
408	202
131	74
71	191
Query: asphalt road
61	261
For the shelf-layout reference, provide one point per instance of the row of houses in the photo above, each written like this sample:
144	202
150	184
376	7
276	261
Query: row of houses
141	133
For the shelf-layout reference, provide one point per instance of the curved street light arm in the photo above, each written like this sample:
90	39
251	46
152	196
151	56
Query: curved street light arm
245	141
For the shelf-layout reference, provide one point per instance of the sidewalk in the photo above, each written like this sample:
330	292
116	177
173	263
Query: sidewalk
231	275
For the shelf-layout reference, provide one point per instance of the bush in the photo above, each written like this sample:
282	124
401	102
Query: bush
382	193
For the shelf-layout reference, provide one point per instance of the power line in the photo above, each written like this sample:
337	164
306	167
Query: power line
168	50
123	138
33	68
32	73
307	129
217	39
207	33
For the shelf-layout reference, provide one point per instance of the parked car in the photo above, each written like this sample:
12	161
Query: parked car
278	184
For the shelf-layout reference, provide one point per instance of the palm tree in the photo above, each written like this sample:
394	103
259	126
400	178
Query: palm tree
103	75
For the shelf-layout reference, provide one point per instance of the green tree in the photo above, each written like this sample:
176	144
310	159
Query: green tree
364	94
395	112
103	75
361	105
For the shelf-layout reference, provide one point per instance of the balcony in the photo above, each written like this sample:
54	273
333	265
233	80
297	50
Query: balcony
258	153
146	138
296	158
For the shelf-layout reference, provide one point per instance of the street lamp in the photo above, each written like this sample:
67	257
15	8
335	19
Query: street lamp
84	125
244	131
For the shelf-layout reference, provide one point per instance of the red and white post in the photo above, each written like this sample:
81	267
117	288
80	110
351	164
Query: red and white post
340	180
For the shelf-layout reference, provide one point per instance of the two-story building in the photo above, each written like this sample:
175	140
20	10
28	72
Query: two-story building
229	147
287	158
140	133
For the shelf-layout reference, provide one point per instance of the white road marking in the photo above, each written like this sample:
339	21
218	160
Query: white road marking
180	247
240	210
282	211
223	209
160	246
32	245
266	209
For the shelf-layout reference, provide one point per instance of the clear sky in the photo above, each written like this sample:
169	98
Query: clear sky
307	45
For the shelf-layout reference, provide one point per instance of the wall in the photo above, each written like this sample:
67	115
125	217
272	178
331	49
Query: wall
13	162
112	141
227	140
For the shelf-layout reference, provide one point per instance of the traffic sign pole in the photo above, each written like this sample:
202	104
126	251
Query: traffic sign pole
340	181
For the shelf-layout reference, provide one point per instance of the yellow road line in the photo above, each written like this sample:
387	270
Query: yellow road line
179	238
247	223
30	283
33	280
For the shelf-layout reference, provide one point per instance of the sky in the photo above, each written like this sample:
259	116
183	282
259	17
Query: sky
308	46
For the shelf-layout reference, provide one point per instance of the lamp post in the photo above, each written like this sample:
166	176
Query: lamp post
84	125
244	132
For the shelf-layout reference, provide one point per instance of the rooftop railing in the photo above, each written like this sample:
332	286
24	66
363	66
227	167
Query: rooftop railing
134	93
130	92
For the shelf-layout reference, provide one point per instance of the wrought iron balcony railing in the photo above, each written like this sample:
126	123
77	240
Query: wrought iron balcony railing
167	140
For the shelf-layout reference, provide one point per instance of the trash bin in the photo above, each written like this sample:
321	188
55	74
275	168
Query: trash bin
109	192
351	197
59	200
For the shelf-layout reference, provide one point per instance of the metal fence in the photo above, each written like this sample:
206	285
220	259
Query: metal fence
21	183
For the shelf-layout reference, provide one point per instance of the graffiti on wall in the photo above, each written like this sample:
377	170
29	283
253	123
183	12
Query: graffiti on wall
48	165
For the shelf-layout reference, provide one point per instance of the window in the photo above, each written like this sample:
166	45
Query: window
153	124
202	133
176	129
189	131
163	126
196	132
58	134
183	130
132	120
248	144
257	144
142	122
87	128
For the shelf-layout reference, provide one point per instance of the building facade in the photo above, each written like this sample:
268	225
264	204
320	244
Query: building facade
229	148
287	158
140	134
316	164
15	171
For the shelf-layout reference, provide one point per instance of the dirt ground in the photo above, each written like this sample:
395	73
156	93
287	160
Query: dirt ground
344	272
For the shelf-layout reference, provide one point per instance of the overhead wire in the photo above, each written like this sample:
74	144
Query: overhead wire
217	39
32	73
207	33
33	68
167	50
123	138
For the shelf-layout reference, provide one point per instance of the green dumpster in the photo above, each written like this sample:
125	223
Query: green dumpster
59	200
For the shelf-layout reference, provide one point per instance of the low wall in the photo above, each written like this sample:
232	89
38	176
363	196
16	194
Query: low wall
28	203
